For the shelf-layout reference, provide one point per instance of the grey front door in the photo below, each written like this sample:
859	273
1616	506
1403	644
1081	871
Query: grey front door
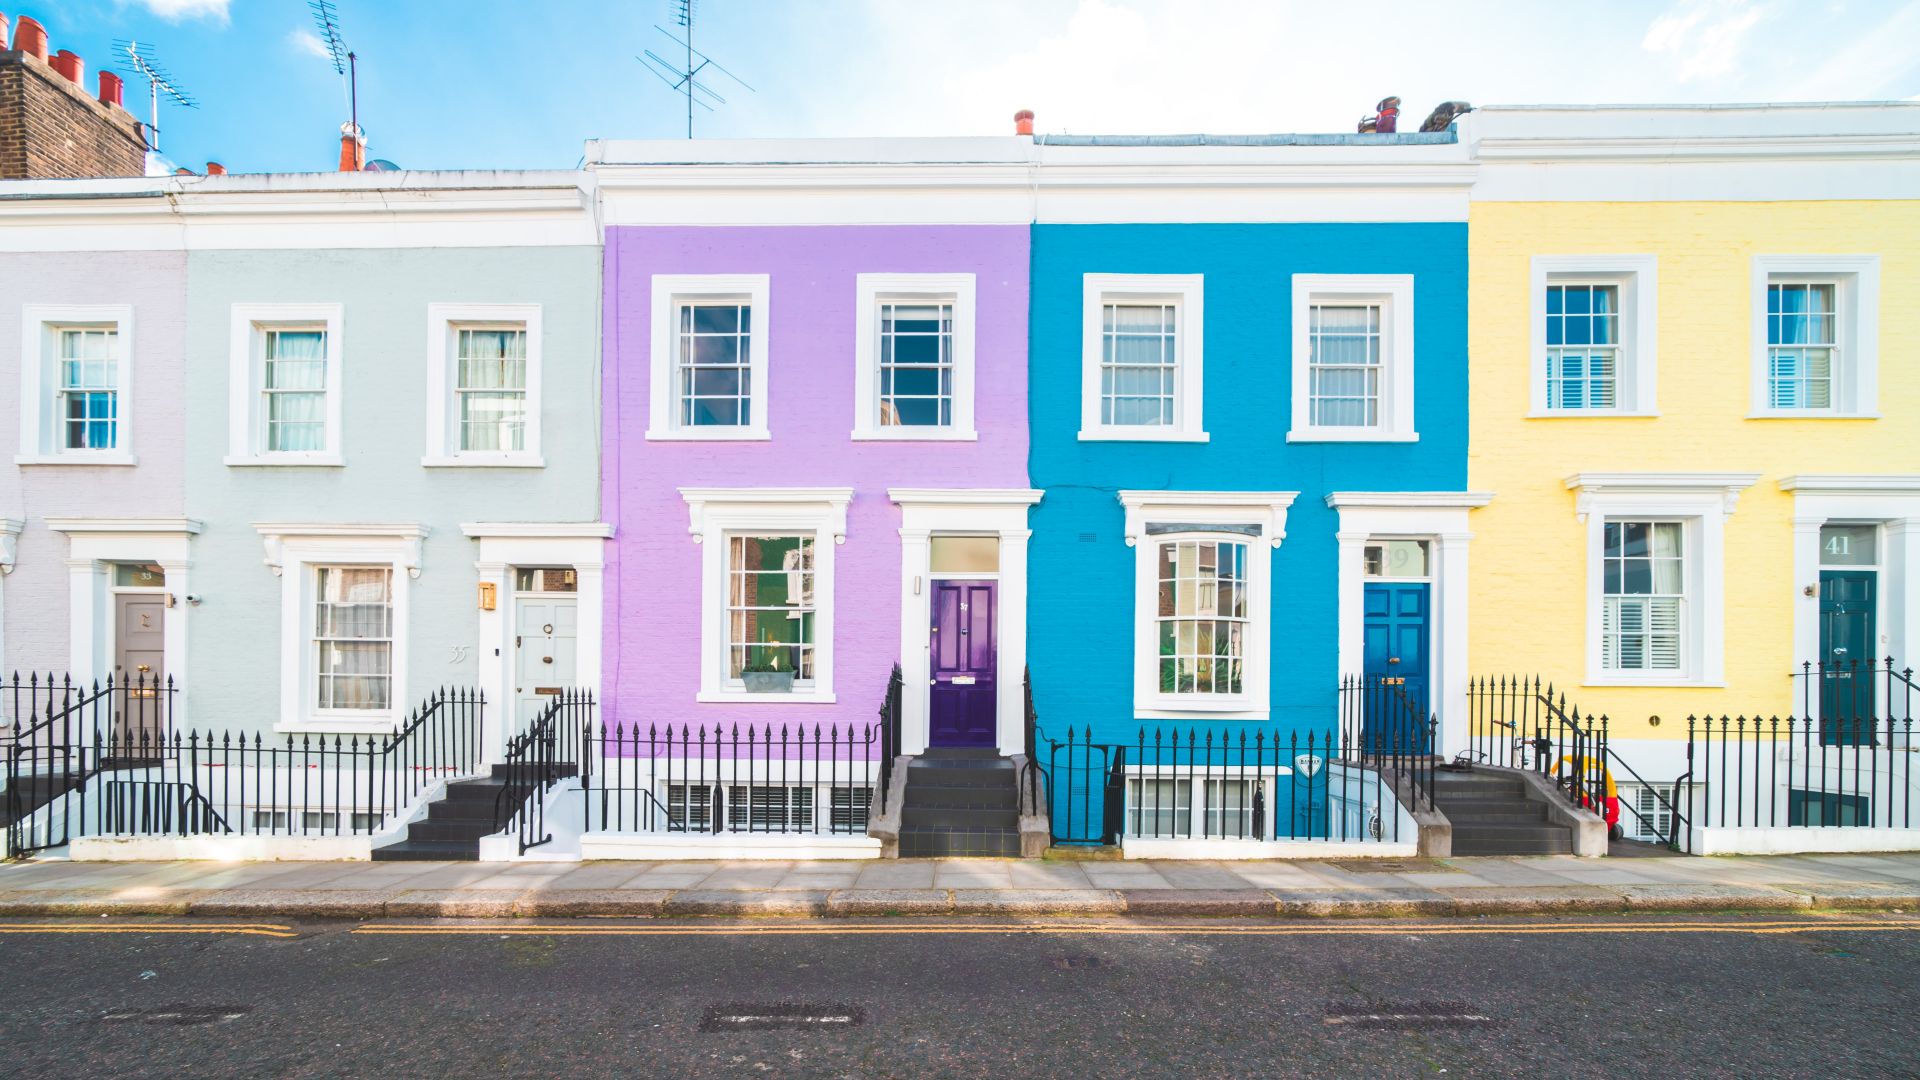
544	651
139	665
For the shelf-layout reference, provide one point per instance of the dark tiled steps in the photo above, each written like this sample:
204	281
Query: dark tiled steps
454	825
960	803
1491	815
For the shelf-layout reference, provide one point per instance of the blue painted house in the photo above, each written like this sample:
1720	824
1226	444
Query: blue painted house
1249	419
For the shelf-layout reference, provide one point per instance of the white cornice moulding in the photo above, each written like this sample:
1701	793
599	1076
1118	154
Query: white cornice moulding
1271	505
274	536
830	501
9	542
534	530
1852	483
158	525
1736	148
1724	486
1430	500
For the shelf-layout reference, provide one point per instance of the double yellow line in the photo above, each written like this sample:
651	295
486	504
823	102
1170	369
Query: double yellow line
815	929
253	929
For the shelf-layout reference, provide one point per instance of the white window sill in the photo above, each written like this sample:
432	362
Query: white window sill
1810	414
916	434
1589	414
75	458
377	724
1607	679
287	461
485	461
1143	434
1162	707
713	434
798	697
1351	435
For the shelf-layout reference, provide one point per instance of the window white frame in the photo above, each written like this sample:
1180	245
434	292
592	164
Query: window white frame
715	514
1186	294
1701	503
669	292
246	410
871	291
40	421
1636	277
444	323
294	551
1856	278
1394	294
1264	510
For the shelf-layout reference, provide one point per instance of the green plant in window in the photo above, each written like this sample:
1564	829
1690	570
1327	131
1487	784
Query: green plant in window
766	658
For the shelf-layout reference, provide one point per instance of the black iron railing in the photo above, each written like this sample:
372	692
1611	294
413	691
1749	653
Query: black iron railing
1385	728
110	763
740	778
1773	772
547	752
1231	782
889	733
1521	722
1030	778
1853	698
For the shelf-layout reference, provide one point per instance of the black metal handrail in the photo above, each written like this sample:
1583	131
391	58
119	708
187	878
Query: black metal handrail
1030	778
1521	722
755	778
537	759
1382	726
889	732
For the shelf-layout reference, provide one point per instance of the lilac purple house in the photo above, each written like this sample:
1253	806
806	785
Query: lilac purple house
815	432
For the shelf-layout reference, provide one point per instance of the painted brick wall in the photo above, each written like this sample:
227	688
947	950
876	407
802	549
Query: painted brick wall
385	292
1529	561
52	129
154	284
653	568
1082	599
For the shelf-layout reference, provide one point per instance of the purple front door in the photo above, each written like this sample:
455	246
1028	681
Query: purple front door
960	701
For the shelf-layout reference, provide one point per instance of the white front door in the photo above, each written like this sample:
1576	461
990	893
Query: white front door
544	650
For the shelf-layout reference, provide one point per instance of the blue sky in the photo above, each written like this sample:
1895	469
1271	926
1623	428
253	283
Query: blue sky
480	83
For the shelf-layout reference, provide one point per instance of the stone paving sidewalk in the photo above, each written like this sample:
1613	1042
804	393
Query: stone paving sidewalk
1360	887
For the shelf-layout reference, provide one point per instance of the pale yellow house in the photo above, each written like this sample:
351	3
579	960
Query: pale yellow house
1695	355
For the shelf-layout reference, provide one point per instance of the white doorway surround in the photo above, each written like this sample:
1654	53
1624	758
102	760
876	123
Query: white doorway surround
94	546
925	513
9	548
504	548
1893	503
1440	518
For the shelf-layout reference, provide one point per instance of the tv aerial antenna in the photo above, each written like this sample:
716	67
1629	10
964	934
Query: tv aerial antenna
326	19
140	61
684	78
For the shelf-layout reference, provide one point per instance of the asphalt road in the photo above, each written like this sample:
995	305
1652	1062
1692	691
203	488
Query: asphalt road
1613	997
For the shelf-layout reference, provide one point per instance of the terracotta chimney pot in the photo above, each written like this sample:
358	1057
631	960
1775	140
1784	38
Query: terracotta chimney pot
111	89
1023	122
214	168
30	37
69	65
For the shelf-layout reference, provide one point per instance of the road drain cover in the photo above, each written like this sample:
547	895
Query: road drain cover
178	1015
763	1016
1403	1015
1078	963
1393	866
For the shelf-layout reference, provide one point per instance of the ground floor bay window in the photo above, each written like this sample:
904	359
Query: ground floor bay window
770	612
353	638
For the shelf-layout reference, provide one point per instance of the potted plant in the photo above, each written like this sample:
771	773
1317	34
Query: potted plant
763	674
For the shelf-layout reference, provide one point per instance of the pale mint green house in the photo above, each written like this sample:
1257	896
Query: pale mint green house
391	451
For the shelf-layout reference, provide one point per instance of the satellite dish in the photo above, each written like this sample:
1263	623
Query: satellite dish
380	165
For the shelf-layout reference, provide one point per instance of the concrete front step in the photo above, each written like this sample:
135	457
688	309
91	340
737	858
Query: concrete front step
1459	810
926	794
961	817
428	851
936	841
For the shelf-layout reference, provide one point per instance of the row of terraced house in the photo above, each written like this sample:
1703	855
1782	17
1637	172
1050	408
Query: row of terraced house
1205	496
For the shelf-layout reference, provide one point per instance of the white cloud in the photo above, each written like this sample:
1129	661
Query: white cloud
1705	37
180	10
306	41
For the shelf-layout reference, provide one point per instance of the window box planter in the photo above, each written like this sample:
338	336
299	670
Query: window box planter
768	682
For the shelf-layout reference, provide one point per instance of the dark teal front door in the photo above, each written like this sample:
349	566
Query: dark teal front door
1846	651
1397	636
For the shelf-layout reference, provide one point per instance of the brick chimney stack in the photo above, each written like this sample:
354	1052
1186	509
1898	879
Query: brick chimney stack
353	148
50	127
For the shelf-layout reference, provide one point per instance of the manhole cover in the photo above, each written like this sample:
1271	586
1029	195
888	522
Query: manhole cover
1392	866
1407	1015
178	1015
1078	963
763	1016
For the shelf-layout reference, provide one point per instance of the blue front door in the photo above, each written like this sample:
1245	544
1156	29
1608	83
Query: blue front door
1394	661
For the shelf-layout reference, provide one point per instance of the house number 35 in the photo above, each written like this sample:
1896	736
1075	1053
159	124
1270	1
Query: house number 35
459	654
